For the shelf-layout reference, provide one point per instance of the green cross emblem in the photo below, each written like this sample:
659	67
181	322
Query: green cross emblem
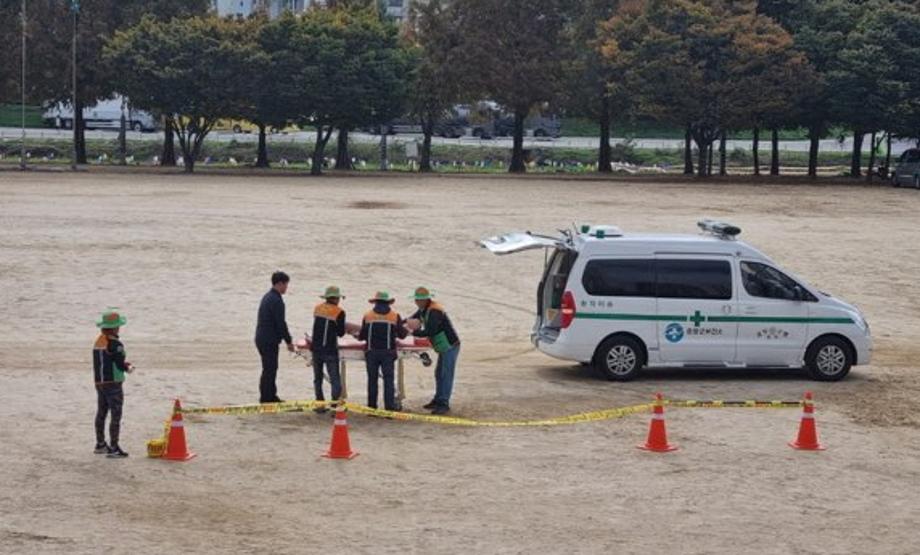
697	318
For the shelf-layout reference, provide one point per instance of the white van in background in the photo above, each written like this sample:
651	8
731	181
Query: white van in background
625	301
105	114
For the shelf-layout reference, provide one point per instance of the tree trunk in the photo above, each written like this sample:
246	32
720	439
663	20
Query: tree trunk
316	167
517	152
774	152
888	154
168	156
262	154
188	155
756	150
603	152
342	158
424	164
688	152
79	137
723	170
384	148
701	158
869	170
856	159
123	140
813	136
709	158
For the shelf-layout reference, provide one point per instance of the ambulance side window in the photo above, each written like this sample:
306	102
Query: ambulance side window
619	278
694	279
763	281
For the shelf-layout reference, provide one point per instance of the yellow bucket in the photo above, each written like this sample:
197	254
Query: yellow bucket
156	448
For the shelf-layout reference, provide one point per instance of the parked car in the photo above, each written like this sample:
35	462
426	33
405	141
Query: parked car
907	170
538	126
452	127
105	114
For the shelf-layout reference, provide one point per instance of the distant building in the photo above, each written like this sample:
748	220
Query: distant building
397	9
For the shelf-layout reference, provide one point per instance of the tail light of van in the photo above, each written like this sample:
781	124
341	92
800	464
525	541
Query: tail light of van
567	310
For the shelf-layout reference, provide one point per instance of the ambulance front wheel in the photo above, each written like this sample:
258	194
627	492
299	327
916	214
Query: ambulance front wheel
619	358
829	359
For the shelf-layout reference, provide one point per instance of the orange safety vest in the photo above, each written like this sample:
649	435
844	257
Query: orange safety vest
374	320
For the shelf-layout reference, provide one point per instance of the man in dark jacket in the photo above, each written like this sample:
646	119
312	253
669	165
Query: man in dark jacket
271	330
431	321
381	327
328	327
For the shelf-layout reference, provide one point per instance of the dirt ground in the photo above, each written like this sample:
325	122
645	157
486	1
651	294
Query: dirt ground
187	259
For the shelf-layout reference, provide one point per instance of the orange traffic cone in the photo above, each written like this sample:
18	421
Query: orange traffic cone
176	448
340	448
657	435
808	431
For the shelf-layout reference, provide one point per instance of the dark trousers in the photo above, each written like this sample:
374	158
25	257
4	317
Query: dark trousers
331	363
268	391
110	398
381	362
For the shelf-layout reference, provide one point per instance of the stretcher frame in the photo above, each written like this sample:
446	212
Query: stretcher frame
356	351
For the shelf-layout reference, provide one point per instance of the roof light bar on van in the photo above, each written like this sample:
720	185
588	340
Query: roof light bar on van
601	231
722	230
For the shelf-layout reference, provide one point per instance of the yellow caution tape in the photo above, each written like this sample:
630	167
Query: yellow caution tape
691	404
594	416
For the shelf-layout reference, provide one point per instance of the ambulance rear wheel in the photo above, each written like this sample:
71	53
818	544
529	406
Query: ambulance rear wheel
619	358
829	359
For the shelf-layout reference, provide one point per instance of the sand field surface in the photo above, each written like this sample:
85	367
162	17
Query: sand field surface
188	258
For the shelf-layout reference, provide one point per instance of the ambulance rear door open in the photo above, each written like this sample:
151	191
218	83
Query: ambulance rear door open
559	258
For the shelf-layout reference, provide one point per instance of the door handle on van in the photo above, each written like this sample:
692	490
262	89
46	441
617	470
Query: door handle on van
750	310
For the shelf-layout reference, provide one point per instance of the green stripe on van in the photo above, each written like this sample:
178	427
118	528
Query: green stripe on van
779	319
634	317
737	319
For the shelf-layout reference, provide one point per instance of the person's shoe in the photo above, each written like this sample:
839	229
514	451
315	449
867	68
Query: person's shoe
320	410
102	449
430	405
277	400
115	452
440	409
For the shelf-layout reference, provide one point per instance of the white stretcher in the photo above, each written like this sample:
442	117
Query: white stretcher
352	349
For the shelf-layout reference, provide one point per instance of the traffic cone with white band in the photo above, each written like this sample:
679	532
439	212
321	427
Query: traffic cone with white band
340	448
657	435
176	448
808	431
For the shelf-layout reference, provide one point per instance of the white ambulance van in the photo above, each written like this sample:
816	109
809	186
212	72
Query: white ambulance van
622	301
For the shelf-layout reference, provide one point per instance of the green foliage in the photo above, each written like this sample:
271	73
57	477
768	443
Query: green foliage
343	69
184	69
433	37
511	54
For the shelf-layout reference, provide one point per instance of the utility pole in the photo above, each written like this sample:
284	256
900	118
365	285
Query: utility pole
75	8
22	145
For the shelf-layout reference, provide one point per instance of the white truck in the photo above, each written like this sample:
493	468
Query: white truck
622	301
105	114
